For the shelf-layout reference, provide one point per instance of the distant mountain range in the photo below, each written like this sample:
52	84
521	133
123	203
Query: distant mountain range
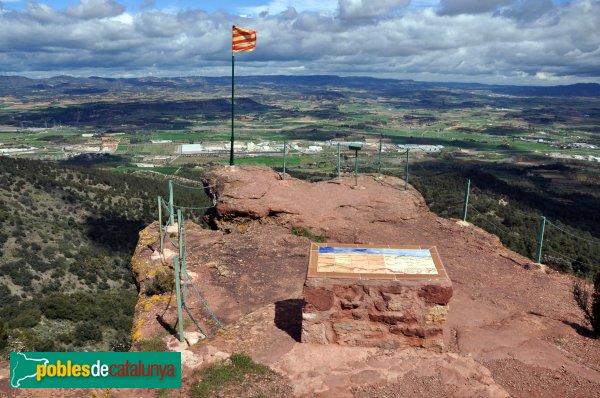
23	87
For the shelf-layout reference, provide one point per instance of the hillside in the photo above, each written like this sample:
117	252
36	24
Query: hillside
65	247
60	86
513	327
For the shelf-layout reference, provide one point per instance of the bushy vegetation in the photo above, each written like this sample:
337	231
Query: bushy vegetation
162	282
223	375
588	299
67	237
509	202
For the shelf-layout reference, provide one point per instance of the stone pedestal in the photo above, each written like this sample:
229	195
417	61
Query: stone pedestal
388	297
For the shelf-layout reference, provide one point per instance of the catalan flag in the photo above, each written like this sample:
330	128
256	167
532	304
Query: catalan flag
243	40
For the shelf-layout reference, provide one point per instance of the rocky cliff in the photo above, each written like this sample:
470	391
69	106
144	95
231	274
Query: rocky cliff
512	328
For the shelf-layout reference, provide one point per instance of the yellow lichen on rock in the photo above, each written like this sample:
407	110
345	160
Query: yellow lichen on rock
437	314
136	331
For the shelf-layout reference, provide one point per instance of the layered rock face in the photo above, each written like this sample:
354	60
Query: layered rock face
375	310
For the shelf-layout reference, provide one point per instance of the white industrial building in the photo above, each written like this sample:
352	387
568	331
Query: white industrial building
424	148
190	149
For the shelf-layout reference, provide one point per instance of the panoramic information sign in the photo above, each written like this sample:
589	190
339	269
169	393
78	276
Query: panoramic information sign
374	262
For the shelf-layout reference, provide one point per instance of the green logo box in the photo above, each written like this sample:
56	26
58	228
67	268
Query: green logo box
95	369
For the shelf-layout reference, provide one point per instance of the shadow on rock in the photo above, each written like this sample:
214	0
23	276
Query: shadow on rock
288	317
581	330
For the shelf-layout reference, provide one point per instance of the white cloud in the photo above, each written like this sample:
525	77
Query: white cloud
358	9
89	9
419	43
278	6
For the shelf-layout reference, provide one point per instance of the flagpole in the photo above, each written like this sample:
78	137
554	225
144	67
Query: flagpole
231	162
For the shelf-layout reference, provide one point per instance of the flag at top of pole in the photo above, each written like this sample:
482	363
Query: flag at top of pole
243	40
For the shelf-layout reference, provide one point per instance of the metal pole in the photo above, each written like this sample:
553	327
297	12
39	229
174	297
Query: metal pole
466	204
178	295
406	172
356	168
540	240
160	228
171	215
179	234
185	282
379	166
284	157
338	160
231	161
183	251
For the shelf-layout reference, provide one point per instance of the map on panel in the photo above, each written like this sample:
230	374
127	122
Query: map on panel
376	261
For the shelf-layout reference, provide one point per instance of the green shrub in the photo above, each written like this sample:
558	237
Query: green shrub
588	299
155	344
223	374
596	305
87	331
162	282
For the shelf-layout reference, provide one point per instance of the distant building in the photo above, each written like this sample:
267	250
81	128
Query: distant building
345	143
190	149
161	141
17	150
424	148
583	145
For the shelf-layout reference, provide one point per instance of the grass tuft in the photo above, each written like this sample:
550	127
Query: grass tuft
226	374
299	231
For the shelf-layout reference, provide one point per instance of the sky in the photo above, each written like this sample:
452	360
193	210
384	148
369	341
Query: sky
531	42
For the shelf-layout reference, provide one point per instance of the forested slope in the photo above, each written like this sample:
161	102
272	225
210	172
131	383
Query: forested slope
66	240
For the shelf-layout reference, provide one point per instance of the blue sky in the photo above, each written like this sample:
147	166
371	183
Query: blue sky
488	41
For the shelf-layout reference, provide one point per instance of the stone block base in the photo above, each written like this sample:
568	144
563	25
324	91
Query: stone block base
376	313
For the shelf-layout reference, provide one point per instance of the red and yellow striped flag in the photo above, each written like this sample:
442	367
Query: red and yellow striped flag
243	40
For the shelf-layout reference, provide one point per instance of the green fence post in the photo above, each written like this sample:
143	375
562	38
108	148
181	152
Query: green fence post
179	234
338	160
466	204
178	295
356	167
284	157
540	240
406	172
379	166
171	215
183	251
185	281
160	227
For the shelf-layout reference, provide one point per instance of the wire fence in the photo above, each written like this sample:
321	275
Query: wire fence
196	307
518	229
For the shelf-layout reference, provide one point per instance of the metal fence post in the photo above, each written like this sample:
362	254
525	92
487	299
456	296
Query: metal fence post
379	162
466	204
171	215
356	167
284	157
338	160
178	295
179	234
406	172
540	240
160	227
